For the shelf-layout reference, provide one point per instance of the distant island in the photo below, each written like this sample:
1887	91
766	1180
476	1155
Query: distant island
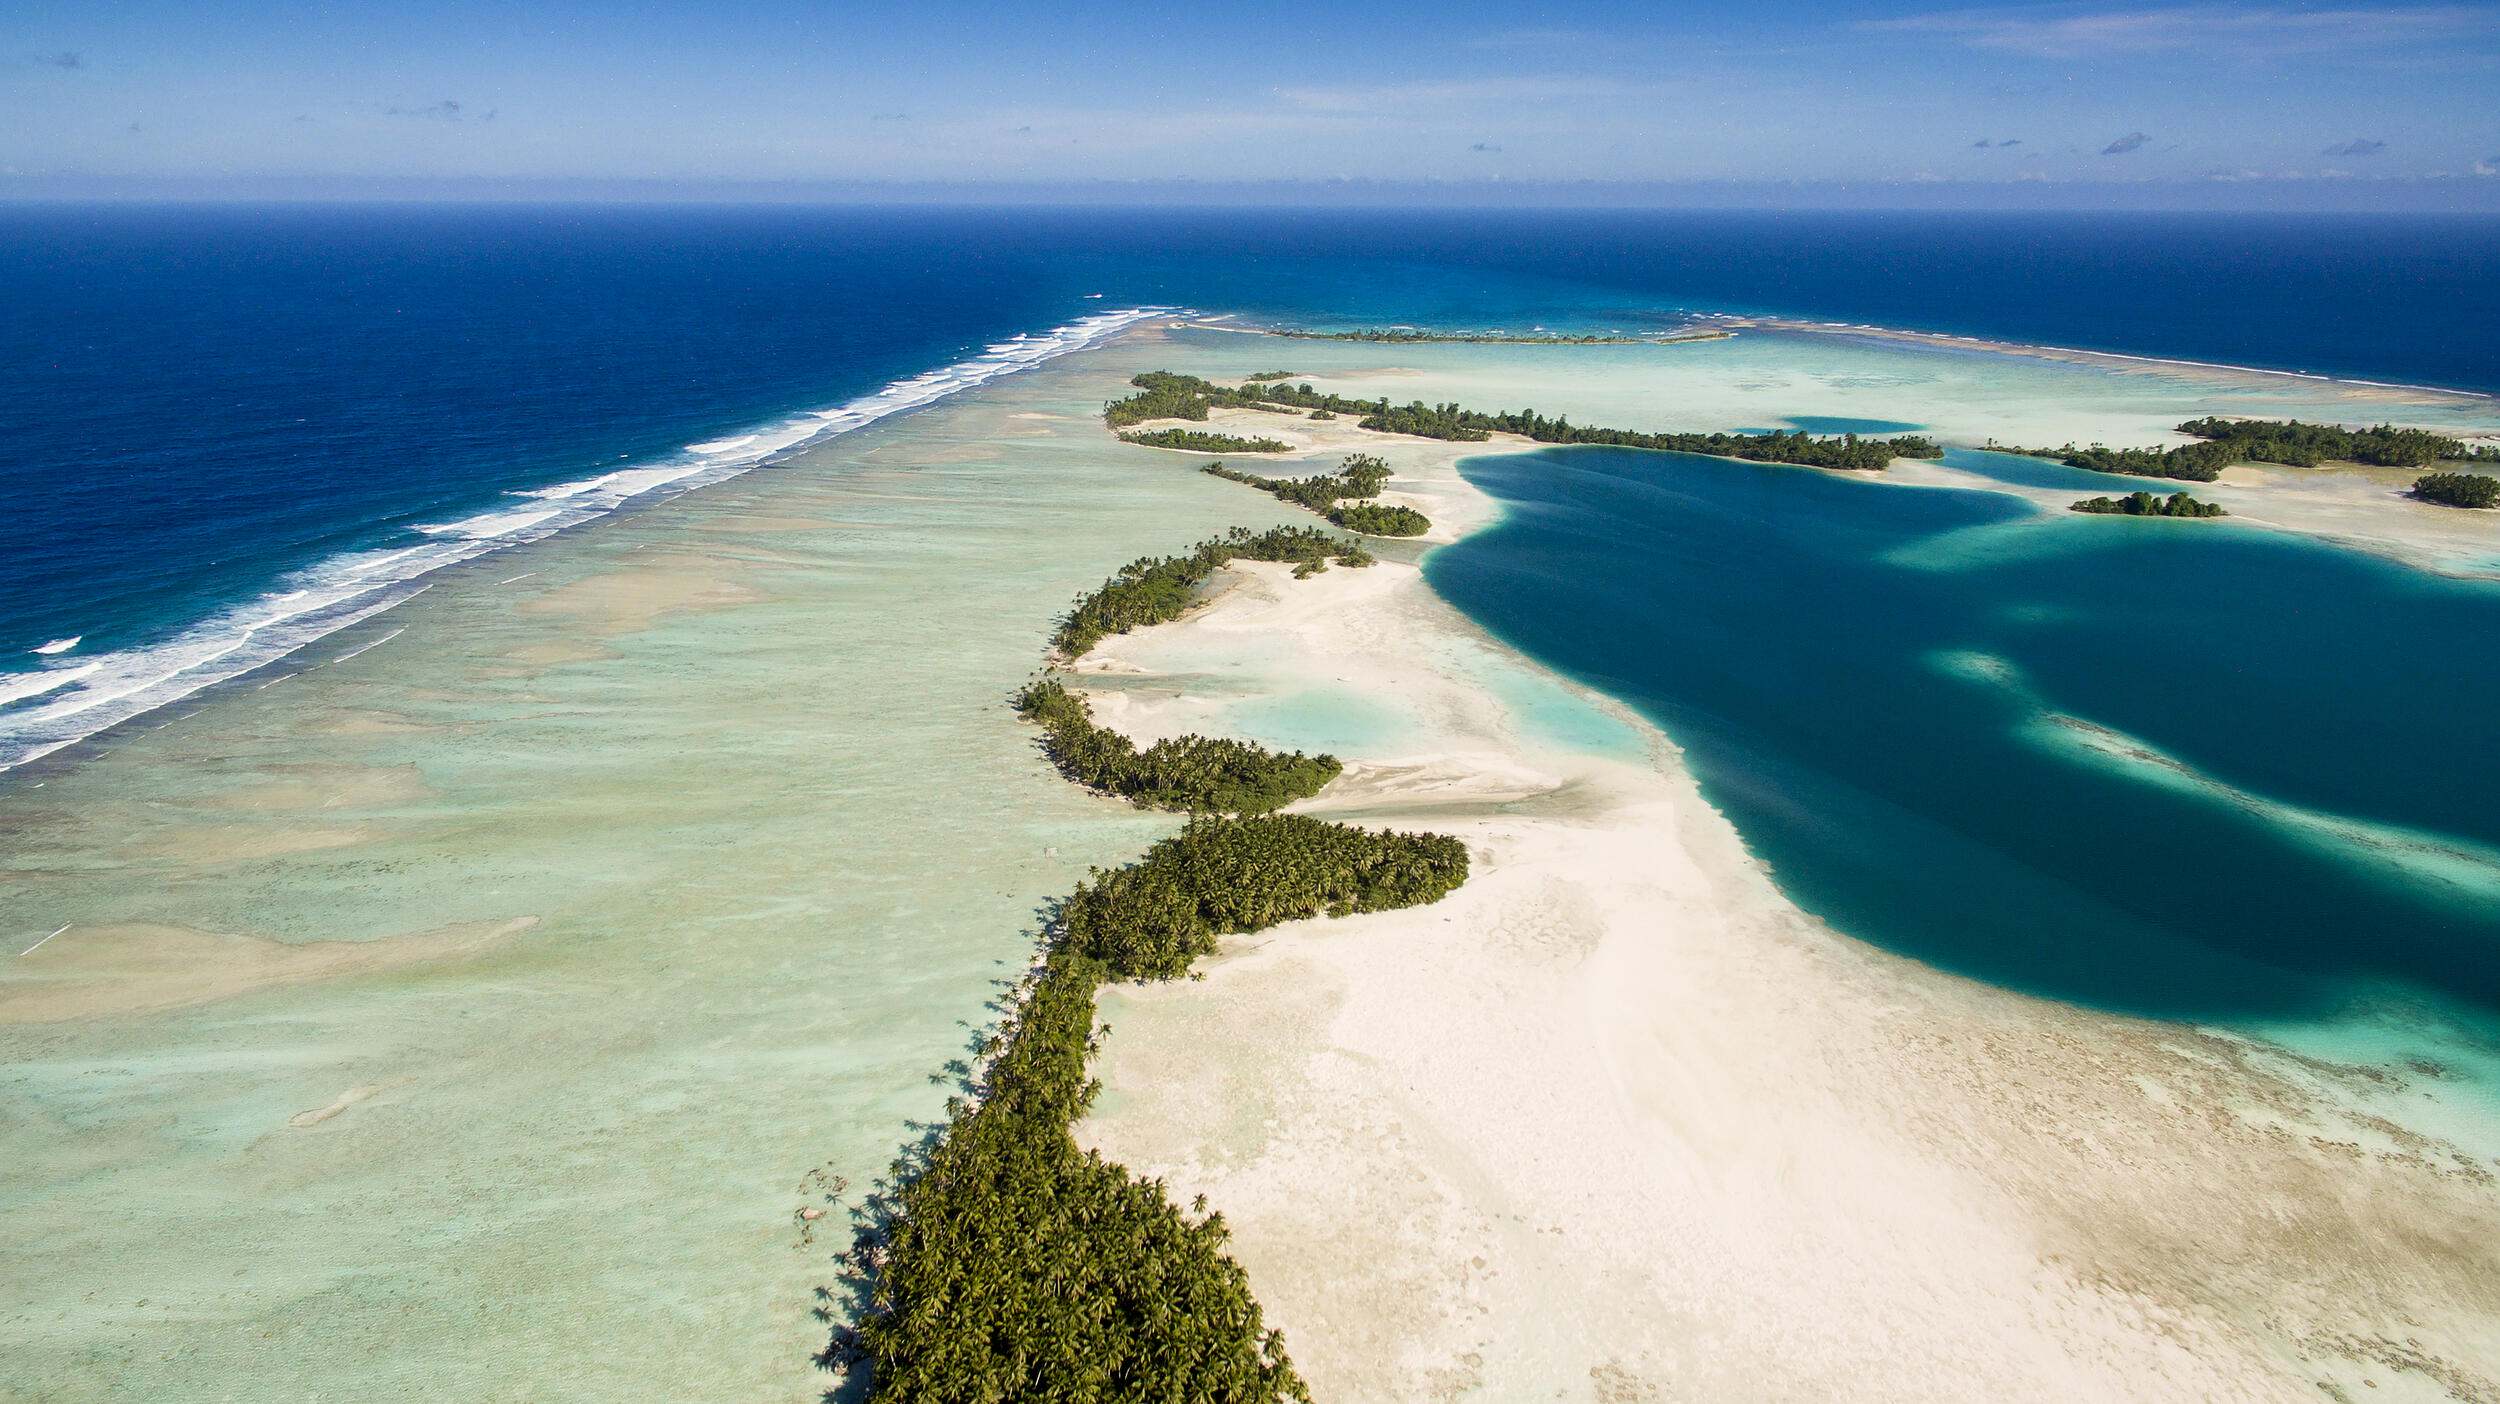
1360	476
1202	441
2145	504
2301	445
1412	335
2223	442
1166	395
2459	489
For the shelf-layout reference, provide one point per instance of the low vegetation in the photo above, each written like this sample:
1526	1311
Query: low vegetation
2223	442
1189	397
1373	519
1845	451
2191	463
2301	445
1360	476
2459	489
2145	504
1186	772
1153	589
1012	1265
1008	1264
1202	441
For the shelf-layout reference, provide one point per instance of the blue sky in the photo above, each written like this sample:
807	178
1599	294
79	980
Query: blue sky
1466	92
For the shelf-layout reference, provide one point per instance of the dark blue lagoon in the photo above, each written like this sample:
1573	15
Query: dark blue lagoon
2185	769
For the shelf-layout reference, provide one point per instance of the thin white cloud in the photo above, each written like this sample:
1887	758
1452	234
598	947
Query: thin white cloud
1530	38
2262	30
1389	97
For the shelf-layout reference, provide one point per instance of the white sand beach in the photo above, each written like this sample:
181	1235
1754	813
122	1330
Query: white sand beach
1618	1122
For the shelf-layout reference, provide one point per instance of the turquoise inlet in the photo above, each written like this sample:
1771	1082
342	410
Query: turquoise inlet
2183	769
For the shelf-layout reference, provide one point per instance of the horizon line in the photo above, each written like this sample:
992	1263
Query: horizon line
2387	194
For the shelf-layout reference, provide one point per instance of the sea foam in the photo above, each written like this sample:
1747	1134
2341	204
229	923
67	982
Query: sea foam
46	709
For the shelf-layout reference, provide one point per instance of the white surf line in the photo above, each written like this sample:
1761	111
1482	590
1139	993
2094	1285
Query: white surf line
524	575
377	643
30	950
332	586
273	682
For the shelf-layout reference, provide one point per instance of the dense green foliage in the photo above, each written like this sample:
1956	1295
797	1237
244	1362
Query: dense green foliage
1152	589
1013	1266
2308	445
2145	504
1262	377
1373	519
1184	772
1847	451
1220	876
1361	475
2459	489
1202	441
1171	395
1357	475
2223	442
2192	463
1461	425
1160	395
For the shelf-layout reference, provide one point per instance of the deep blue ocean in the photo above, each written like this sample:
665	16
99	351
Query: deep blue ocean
229	426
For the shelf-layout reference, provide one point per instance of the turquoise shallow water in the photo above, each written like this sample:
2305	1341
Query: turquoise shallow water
2183	769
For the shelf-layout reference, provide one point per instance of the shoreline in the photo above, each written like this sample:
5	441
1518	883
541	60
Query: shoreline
1617	1118
349	587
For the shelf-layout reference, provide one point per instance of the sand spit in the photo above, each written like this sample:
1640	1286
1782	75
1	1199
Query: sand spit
2362	508
89	972
1617	1122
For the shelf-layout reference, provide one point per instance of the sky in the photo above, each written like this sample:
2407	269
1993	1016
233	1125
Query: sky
771	94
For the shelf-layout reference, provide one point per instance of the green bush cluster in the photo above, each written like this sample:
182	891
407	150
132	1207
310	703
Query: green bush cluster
1206	441
1153	589
1184	772
2190	463
1459	424
1012	1266
2459	489
2307	445
2145	504
1361	475
1223	876
1373	519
